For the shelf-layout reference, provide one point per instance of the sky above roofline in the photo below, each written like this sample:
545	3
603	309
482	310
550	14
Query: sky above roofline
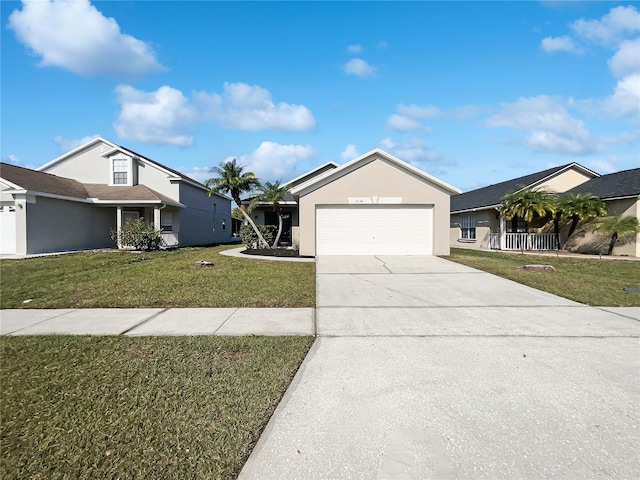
473	93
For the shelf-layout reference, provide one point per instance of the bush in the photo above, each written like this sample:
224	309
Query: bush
250	238
137	234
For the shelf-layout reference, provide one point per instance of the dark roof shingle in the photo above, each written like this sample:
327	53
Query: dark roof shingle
42	182
614	185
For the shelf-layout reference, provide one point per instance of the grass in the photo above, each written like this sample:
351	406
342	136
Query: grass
154	408
589	281
155	279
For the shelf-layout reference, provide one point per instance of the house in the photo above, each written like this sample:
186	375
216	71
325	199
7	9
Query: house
74	201
375	204
621	193
476	221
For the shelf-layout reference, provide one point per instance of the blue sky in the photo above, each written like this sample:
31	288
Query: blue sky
471	92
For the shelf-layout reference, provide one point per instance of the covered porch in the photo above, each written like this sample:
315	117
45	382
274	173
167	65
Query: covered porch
162	217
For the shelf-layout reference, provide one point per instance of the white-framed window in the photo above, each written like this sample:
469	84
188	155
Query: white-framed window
468	227
120	170
166	221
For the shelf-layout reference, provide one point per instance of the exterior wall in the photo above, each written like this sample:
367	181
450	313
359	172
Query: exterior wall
565	181
199	224
157	180
487	222
86	166
377	178
58	225
586	241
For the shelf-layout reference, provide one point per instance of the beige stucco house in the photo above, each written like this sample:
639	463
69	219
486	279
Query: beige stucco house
74	201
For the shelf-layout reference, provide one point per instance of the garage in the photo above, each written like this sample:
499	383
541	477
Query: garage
7	230
374	230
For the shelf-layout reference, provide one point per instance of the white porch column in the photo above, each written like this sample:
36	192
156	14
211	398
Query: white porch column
156	218
119	223
502	233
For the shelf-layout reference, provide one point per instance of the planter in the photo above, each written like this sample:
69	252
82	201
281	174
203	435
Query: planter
272	252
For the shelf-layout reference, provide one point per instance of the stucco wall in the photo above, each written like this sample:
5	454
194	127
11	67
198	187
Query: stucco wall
58	225
378	178
86	166
565	181
157	180
199	225
486	223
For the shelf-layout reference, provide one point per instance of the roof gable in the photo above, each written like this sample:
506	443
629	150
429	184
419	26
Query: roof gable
491	195
613	185
376	154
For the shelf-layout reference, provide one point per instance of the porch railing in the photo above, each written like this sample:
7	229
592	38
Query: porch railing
524	241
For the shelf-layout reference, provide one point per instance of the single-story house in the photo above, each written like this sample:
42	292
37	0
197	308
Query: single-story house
375	204
621	193
74	201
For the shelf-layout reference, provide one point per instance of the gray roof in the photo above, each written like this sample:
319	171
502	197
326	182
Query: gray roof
490	196
614	185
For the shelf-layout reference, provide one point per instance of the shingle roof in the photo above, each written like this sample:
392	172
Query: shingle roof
491	195
614	185
42	182
120	193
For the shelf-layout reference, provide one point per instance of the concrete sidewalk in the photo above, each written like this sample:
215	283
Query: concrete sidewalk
158	321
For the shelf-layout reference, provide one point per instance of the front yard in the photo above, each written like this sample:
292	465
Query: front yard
586	280
155	279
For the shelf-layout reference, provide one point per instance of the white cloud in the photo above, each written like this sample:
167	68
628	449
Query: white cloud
413	150
359	68
550	127
355	48
250	107
400	123
12	159
604	165
559	44
273	161
417	111
626	60
74	35
201	174
611	28
625	100
407	116
163	117
349	153
68	144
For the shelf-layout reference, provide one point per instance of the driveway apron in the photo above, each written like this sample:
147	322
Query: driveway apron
424	368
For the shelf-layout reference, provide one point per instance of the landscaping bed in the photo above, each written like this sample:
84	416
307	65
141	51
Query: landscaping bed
272	252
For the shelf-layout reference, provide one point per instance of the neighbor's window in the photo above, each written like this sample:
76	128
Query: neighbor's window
468	227
120	171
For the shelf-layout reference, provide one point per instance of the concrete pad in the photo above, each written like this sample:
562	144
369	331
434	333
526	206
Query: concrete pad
184	321
13	320
328	264
91	321
439	289
269	321
630	312
463	407
387	264
572	321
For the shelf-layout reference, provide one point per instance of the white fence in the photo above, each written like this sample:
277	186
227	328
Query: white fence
524	241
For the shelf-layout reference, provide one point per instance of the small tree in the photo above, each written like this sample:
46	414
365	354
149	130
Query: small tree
272	193
581	206
617	227
137	234
526	203
249	237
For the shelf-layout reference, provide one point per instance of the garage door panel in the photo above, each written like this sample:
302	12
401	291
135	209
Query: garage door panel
7	230
374	230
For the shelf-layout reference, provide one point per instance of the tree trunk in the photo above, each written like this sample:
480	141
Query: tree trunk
252	223
275	242
556	230
612	244
574	223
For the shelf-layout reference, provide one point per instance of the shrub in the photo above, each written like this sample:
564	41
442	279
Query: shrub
137	234
250	238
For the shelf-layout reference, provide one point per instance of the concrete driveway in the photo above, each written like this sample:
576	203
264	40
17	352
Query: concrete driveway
427	369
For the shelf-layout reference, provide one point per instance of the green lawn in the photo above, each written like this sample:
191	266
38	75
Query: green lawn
155	279
586	280
152	408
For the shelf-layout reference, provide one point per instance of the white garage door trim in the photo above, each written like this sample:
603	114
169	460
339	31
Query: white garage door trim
7	230
374	230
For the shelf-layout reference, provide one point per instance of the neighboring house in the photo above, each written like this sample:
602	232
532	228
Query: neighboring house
621	193
74	201
476	221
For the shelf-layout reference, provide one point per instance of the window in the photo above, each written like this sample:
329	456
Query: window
517	225
166	221
468	227
120	171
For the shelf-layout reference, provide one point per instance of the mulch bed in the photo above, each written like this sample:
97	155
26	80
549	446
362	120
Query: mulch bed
272	252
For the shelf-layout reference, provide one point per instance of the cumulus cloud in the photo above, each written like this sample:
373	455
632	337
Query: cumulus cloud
417	111
273	161
406	117
550	127
74	35
250	107
68	144
359	68
162	117
413	150
625	100
626	60
611	28
355	48
400	123
12	159
559	44
349	153
200	174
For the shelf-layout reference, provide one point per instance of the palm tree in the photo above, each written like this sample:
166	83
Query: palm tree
617	227
234	181
526	203
581	206
272	193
